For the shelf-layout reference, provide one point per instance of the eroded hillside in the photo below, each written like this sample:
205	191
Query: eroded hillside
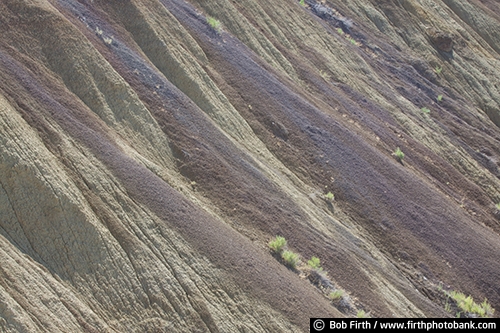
147	159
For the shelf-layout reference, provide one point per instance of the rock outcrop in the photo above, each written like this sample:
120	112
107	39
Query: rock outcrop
442	40
146	161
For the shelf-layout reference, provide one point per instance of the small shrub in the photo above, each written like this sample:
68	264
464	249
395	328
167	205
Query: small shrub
425	110
214	24
315	263
291	259
399	154
330	196
337	294
277	244
440	98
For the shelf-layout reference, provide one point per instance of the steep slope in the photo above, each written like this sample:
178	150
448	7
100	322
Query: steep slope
147	160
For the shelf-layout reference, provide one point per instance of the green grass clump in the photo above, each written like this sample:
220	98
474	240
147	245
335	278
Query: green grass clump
438	70
498	206
315	263
487	308
302	3
337	294
440	98
277	244
214	24
330	196
291	259
340	31
399	154
425	110
467	305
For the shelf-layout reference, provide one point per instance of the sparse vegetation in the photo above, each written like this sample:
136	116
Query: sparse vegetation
277	244
440	98
362	314
447	306
425	110
214	24
486	306
315	263
324	75
468	307
337	294
348	37
399	154
438	69
315	274
291	258
99	32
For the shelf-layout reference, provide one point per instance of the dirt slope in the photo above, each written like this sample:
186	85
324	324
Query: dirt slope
147	159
